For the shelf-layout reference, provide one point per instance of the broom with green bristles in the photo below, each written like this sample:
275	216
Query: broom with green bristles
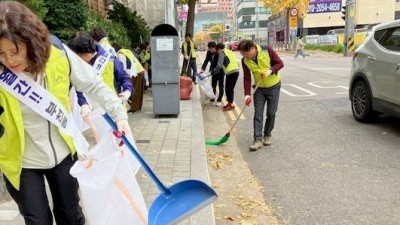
226	136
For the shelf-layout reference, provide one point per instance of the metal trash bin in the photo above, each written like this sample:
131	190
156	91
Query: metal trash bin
164	43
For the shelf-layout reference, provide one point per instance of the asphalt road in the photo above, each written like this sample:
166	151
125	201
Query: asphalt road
323	167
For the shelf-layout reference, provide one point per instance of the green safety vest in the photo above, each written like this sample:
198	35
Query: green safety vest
233	63
12	143
263	64
192	50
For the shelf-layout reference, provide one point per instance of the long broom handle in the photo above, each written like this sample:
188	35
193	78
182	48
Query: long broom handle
94	133
241	112
145	166
187	66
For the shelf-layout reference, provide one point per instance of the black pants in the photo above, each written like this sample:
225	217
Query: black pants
192	66
231	80
218	79
32	200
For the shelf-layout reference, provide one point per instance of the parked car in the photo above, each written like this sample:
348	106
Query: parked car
375	74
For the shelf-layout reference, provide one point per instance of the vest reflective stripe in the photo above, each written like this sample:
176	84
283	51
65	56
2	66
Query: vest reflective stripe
12	143
192	50
264	64
233	63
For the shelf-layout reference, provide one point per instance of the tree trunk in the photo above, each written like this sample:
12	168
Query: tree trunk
190	17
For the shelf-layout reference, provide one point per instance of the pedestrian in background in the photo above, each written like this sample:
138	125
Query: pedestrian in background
300	48
265	68
218	78
227	61
135	71
189	57
34	148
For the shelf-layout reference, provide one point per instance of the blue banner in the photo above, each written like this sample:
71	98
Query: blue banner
324	6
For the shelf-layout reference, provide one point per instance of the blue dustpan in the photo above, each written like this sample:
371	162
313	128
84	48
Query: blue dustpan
177	202
201	77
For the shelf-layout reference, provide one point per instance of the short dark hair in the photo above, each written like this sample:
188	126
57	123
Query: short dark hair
82	43
188	35
220	46
212	44
116	46
246	45
97	34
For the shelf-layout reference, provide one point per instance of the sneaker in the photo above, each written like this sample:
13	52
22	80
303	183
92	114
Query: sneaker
266	140
218	104
228	107
256	145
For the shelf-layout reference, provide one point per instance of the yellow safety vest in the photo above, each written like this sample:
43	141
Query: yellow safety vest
192	50
12	143
129	54
263	64
233	63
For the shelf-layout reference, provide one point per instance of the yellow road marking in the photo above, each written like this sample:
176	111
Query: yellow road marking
231	113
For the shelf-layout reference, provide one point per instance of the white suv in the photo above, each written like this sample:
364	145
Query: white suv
375	74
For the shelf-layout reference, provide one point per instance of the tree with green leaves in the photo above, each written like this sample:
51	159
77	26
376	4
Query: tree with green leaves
135	25
37	6
116	31
64	18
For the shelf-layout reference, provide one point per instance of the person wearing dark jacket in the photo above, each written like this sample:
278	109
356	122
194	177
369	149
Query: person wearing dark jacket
265	66
218	78
113	73
227	61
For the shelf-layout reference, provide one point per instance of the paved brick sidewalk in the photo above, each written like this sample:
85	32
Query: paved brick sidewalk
173	147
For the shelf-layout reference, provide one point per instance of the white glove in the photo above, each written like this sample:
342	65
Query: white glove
146	78
134	74
268	72
186	57
85	110
124	96
123	126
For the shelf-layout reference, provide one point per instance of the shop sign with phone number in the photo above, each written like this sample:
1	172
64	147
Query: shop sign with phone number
324	6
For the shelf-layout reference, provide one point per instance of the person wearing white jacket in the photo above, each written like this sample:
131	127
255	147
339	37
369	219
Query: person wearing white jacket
32	147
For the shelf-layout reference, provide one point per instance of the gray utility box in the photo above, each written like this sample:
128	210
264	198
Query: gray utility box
165	70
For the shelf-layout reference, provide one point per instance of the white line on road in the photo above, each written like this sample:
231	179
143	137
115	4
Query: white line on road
316	84
309	93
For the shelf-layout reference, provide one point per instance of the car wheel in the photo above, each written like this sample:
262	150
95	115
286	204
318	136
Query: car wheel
361	102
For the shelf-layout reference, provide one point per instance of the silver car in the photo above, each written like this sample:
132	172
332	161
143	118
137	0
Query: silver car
375	74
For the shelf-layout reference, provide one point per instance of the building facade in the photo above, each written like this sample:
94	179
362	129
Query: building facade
319	20
251	20
217	6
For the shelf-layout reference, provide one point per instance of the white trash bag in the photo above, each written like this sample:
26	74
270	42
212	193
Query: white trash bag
205	85
110	194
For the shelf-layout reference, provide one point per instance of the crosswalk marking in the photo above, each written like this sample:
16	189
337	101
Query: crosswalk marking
309	93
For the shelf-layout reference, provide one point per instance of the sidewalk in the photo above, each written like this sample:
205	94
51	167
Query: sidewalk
173	147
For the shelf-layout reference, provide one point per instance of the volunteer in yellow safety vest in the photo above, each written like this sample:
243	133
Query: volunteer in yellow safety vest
135	70
33	148
265	66
189	56
228	62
